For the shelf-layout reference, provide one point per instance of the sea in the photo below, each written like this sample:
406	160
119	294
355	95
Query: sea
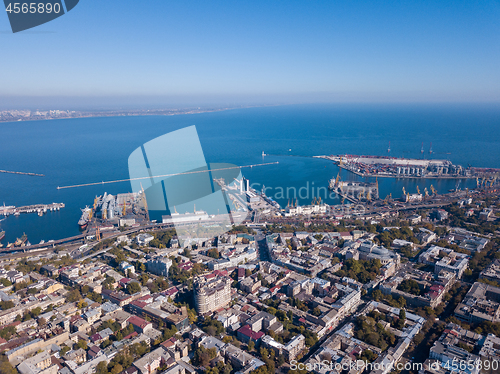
78	151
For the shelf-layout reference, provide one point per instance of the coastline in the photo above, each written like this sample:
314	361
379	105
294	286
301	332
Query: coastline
131	113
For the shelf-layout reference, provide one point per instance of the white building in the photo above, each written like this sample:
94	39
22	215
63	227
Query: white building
144	239
159	265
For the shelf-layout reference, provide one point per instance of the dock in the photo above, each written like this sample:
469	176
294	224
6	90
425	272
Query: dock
393	167
37	208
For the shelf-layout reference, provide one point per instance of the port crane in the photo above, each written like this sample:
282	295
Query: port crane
387	198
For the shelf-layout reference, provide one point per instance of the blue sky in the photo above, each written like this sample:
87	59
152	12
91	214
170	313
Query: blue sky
269	51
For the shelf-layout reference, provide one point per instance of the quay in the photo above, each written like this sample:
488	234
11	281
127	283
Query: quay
393	167
37	208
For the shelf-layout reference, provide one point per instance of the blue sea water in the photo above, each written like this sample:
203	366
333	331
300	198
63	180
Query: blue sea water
86	150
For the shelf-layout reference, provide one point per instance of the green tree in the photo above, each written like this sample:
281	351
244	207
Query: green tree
213	252
65	349
82	344
117	369
5	282
73	296
133	287
402	314
6	305
102	368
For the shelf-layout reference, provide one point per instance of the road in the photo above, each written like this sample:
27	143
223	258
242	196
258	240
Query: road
260	239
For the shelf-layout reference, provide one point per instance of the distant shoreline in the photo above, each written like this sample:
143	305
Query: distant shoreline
20	115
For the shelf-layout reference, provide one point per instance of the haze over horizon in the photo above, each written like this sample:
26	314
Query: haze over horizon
128	54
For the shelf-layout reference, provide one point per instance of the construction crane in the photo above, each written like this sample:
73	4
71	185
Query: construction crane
418	190
433	190
426	192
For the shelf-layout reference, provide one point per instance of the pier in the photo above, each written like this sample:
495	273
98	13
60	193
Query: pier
393	167
37	208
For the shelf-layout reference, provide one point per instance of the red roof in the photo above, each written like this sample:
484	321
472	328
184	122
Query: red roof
131	335
137	321
139	304
75	318
171	291
169	343
96	337
247	331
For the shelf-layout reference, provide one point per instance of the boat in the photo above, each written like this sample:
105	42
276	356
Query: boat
85	218
21	241
2	235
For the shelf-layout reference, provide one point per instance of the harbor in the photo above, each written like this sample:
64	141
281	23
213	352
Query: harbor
393	167
40	209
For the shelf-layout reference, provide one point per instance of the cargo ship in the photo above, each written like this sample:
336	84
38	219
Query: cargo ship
85	218
20	242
